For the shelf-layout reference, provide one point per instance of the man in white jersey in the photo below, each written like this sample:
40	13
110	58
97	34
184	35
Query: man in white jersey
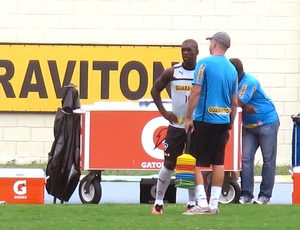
180	78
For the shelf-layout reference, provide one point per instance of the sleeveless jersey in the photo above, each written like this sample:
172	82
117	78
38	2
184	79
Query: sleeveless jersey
180	90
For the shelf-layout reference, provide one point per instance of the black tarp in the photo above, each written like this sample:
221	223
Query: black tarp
63	167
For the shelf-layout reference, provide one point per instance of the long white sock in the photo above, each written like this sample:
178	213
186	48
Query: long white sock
191	200
215	197
164	178
200	194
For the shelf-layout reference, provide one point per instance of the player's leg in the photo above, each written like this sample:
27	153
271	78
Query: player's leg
199	139
268	145
221	137
174	145
250	145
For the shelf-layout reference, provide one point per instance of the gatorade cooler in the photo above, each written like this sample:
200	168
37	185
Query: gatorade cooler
296	159
296	185
22	185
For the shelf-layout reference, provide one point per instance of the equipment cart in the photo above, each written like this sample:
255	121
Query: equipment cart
129	136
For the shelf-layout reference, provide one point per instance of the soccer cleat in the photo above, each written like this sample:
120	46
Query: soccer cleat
214	211
189	207
197	210
262	200
157	209
246	200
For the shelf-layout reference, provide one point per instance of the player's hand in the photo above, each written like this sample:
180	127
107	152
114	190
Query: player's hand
189	125
249	109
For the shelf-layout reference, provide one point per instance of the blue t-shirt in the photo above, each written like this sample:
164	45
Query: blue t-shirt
250	92
218	79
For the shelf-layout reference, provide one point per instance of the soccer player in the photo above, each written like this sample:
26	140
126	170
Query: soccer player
180	78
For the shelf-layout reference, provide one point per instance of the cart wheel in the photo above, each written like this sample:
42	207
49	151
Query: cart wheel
233	194
94	194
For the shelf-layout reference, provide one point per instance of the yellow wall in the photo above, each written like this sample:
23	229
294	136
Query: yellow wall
32	76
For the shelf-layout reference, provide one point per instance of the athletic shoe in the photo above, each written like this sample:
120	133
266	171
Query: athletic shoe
246	200
197	210
189	207
262	200
214	211
157	209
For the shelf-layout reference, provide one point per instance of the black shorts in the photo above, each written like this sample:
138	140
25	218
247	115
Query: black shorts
208	142
174	143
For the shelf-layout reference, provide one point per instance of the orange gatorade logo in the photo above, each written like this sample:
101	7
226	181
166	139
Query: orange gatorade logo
159	136
155	128
20	189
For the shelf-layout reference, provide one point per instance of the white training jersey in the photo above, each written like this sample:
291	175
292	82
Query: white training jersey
180	90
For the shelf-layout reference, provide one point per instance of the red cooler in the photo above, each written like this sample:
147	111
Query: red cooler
296	185
22	185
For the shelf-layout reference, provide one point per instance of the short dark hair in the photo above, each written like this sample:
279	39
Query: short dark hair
238	65
191	41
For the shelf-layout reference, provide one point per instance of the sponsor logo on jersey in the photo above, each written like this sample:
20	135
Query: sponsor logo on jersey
183	87
243	90
200	74
218	110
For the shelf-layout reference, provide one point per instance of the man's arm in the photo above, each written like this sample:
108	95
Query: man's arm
234	105
246	90
192	103
159	85
246	107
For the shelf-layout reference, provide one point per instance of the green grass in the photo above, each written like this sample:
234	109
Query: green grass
280	170
137	216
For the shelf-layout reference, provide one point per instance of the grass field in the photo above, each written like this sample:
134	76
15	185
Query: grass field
280	170
138	216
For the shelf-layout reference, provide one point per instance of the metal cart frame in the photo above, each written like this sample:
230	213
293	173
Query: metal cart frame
128	136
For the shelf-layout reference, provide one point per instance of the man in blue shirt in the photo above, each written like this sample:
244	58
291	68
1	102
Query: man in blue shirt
260	129
210	114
